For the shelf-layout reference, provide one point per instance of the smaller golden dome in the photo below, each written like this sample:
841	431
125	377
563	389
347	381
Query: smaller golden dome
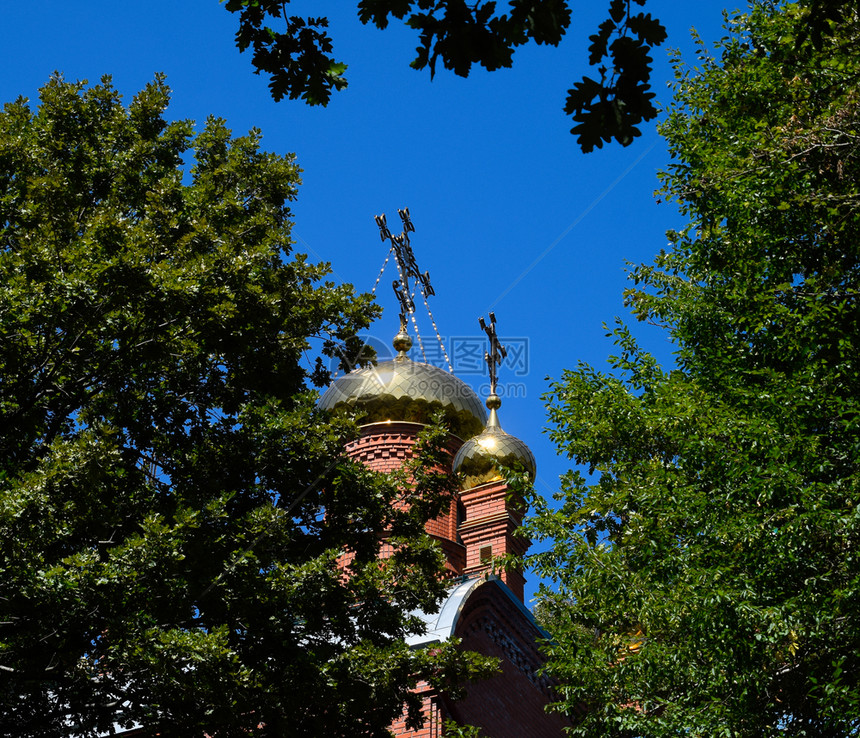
477	459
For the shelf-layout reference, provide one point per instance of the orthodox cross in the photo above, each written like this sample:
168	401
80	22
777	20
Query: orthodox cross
411	278
407	305
497	353
407	267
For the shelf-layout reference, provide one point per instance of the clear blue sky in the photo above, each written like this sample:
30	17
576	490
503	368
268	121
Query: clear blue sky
487	166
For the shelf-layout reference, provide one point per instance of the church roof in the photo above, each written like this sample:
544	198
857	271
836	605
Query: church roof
442	625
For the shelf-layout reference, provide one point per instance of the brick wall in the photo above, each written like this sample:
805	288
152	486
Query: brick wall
386	447
434	717
510	704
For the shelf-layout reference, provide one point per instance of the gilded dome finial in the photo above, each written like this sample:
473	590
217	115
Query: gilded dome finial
402	341
494	402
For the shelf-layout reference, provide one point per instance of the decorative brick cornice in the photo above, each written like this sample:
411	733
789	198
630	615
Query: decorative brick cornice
388	445
500	520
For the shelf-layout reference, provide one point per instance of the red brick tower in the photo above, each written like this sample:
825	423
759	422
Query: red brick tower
396	398
491	514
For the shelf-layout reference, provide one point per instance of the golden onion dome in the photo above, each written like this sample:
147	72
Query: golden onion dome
402	389
478	458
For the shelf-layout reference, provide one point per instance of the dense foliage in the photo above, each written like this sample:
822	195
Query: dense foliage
709	572
172	504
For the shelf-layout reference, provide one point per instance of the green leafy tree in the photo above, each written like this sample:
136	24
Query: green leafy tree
172	505
708	574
